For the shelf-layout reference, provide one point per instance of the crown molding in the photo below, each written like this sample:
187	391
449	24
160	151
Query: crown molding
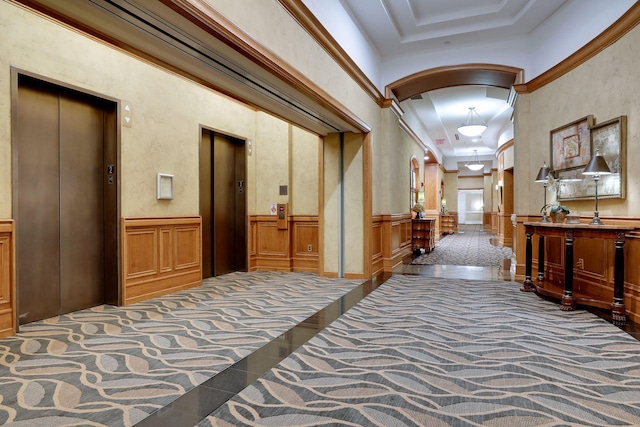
310	23
615	32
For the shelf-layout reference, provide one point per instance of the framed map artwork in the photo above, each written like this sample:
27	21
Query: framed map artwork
571	144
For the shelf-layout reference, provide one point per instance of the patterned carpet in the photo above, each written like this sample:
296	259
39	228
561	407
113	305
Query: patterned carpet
442	352
470	246
115	365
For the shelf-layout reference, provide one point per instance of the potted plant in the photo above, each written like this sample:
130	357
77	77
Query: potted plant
556	212
418	209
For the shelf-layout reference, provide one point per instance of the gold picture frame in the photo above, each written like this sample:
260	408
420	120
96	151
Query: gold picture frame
571	144
610	139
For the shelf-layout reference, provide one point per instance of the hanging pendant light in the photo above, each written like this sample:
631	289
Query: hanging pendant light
473	125
474	164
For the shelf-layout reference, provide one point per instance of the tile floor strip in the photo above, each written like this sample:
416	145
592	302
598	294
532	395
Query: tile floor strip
198	403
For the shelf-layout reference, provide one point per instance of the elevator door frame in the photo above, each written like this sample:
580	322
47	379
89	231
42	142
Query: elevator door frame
245	221
112	132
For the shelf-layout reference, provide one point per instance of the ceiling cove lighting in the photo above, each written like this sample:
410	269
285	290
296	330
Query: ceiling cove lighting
473	125
474	164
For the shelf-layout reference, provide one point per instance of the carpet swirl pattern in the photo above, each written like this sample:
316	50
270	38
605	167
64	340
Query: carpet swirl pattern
442	352
470	246
113	366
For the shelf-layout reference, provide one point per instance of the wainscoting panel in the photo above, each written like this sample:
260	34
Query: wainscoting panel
396	240
593	262
291	249
160	256
377	255
305	244
7	279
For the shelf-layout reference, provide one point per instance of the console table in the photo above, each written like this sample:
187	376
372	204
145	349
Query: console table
570	232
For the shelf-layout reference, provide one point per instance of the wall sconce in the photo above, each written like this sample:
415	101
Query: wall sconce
596	167
543	177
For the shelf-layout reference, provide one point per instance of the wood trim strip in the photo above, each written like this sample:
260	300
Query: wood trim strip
8	291
504	147
321	270
206	17
367	200
310	23
454	75
414	136
615	32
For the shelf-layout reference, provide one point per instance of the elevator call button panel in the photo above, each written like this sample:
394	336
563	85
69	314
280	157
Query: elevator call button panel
282	216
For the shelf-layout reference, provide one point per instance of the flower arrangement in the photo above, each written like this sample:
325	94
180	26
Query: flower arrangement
418	208
556	212
555	209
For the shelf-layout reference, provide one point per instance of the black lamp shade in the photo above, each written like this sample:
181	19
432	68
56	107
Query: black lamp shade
597	166
543	174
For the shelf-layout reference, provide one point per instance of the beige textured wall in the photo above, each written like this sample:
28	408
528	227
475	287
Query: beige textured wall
391	163
470	182
304	173
331	149
451	190
271	148
353	204
605	86
168	111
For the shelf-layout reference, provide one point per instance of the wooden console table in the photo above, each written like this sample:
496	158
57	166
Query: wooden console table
570	232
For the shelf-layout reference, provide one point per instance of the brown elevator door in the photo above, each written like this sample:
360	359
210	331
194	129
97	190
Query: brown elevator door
60	201
223	204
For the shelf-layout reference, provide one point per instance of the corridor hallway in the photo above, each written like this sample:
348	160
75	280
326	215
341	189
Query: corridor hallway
173	360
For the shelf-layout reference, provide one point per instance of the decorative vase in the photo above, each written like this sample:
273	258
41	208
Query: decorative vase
558	216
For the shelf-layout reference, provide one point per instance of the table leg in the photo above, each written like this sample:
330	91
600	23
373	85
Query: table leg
541	258
618	309
527	285
568	302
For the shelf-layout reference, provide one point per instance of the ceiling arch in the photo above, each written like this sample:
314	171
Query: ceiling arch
455	75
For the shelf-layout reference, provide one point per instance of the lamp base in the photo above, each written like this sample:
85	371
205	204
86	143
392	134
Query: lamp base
545	218
596	219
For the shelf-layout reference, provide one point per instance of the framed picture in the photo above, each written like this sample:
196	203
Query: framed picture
571	144
610	139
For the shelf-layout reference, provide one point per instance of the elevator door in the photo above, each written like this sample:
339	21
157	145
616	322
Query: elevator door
223	204
61	197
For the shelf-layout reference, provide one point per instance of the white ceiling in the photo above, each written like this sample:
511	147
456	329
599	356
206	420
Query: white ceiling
398	27
416	35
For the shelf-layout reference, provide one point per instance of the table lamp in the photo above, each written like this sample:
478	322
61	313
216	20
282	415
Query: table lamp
543	177
596	167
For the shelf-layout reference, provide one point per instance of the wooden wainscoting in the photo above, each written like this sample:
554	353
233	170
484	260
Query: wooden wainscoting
292	249
8	324
593	260
160	256
505	229
391	241
486	221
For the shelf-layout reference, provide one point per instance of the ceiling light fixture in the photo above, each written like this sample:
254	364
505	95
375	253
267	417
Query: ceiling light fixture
474	164
473	125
